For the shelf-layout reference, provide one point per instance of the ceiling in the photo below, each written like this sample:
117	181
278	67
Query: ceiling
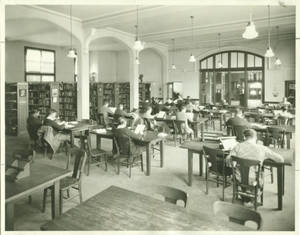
161	23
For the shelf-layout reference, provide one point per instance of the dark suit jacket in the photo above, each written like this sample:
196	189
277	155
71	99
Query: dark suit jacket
237	121
56	127
33	124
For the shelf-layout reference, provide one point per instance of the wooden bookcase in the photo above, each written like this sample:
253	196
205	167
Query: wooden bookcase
144	92
68	101
43	96
122	95
96	99
16	108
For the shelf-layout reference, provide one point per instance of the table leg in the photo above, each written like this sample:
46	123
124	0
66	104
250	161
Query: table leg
221	122
148	160
9	216
288	140
72	138
195	128
202	131
190	167
200	164
55	200
279	186
162	153
98	142
283	174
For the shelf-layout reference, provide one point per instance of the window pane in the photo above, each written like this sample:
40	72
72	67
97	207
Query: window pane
233	59
258	61
225	60
33	60
250	60
218	60
203	64
210	62
47	78
47	56
33	78
47	67
241	61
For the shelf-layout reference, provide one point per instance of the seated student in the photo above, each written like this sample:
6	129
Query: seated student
238	119
120	112
52	121
284	102
190	106
181	115
122	129
105	110
33	124
148	118
137	120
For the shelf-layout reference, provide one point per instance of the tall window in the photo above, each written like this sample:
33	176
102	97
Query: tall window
39	65
235	77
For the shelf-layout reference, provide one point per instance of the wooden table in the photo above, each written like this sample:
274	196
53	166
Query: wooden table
119	209
197	148
217	113
288	131
201	122
149	139
41	177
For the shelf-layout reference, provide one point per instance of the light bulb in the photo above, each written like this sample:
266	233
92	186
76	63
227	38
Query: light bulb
250	31
137	61
173	66
269	53
192	58
277	62
138	45
72	53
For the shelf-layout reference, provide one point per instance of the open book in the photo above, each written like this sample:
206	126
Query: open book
140	129
228	142
161	114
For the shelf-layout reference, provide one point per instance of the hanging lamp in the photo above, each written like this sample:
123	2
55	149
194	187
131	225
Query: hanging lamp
277	61
173	54
269	53
192	58
138	44
250	31
219	63
72	51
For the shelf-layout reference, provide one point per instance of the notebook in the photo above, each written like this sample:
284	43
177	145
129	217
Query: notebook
228	142
140	129
161	114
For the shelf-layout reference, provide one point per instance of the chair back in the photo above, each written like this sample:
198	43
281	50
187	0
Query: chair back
122	144
241	168
216	158
282	120
170	194
79	163
148	123
237	213
179	126
276	132
102	119
238	132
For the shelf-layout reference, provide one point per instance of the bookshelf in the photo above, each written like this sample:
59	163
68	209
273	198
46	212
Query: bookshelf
96	99
16	108
109	93
43	96
122	95
68	101
144	92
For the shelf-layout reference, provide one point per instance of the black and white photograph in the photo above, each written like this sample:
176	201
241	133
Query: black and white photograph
149	116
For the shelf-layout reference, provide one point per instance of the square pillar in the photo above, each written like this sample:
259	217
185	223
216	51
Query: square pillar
134	80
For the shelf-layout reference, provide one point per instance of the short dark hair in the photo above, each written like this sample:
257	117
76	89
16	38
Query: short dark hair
238	111
249	133
34	111
283	108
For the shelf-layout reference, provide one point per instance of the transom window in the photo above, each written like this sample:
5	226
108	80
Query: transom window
39	65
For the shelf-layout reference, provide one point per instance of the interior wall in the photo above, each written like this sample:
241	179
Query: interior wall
188	73
15	61
151	67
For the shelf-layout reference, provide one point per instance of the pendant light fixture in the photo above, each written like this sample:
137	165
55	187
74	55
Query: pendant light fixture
137	60
138	44
277	61
173	54
192	57
250	31
269	53
219	63
72	51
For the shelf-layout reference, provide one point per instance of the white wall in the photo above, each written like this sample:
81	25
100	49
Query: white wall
274	77
15	61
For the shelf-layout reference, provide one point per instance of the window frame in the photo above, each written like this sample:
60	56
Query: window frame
37	73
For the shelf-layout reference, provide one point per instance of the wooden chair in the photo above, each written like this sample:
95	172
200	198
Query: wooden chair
94	155
124	153
275	135
70	182
216	164
245	186
237	214
170	194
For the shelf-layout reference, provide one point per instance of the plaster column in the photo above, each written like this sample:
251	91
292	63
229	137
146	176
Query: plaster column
134	80
165	75
83	86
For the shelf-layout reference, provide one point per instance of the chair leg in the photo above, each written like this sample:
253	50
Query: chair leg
60	201
272	176
68	193
206	179
88	165
29	199
105	159
118	166
223	190
130	170
217	181
255	199
44	200
80	192
142	164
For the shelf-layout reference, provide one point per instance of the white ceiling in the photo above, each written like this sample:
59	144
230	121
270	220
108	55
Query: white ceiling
158	23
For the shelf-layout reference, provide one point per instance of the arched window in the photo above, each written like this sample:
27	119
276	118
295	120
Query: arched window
234	77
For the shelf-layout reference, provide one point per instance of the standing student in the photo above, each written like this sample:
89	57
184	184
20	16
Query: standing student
181	115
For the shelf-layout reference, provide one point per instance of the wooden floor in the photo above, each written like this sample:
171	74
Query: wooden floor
30	217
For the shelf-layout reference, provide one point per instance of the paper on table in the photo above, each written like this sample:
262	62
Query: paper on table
100	131
139	129
162	135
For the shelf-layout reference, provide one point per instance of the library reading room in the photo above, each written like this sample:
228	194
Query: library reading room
149	117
